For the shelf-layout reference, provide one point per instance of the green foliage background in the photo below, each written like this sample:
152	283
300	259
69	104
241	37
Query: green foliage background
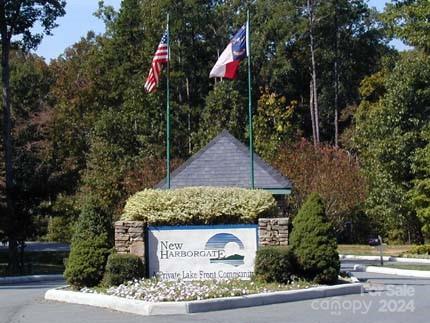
83	124
390	136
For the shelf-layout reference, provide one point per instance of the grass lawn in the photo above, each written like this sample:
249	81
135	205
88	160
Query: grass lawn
38	263
393	250
425	267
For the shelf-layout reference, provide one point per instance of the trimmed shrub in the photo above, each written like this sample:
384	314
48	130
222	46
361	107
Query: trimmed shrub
313	242
85	265
199	205
275	264
90	247
419	250
121	268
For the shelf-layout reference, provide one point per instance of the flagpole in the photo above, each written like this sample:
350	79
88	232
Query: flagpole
168	105
251	139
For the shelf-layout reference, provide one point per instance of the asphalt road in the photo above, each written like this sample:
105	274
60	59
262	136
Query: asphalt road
41	246
390	299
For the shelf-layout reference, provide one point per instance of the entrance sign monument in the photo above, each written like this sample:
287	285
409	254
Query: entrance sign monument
202	252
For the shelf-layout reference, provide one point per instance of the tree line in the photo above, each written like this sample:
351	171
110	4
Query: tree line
336	109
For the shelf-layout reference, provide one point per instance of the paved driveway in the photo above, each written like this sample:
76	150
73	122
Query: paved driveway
400	299
41	246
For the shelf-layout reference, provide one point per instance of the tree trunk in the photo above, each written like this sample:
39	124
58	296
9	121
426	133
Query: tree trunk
311	109
13	266
311	7
336	79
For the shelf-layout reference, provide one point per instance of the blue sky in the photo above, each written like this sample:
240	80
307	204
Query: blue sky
79	20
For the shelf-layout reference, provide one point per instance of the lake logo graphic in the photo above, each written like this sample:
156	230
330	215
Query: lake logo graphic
230	244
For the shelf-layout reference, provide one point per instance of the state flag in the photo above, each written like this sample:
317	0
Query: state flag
228	63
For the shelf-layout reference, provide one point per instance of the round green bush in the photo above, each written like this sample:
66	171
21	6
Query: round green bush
313	242
85	265
275	264
121	268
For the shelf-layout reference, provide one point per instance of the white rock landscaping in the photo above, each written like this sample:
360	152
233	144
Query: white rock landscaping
184	307
153	290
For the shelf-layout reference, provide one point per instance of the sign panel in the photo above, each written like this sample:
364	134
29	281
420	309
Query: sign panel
202	252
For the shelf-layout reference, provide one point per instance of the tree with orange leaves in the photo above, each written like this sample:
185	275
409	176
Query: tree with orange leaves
331	172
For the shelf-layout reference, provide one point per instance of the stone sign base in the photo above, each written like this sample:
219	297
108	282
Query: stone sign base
130	235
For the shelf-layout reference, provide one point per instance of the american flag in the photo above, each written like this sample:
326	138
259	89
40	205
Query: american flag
161	57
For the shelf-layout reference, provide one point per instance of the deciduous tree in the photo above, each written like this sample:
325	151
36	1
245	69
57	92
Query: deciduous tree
17	18
389	136
333	173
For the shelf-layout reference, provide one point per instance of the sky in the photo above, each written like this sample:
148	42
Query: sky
79	19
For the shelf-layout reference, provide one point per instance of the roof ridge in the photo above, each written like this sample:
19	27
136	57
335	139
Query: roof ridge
184	165
257	159
275	175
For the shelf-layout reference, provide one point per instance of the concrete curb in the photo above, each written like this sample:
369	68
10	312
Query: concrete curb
411	260
370	258
386	258
394	271
169	308
29	279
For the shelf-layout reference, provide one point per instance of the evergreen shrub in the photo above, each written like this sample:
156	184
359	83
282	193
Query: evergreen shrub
85	265
199	205
313	242
121	268
91	245
275	264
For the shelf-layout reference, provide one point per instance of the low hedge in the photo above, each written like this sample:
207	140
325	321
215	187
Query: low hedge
419	250
275	264
121	268
199	205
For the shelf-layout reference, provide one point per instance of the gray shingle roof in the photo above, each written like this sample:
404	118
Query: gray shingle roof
225	162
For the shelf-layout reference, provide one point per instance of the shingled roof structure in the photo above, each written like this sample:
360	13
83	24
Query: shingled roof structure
224	162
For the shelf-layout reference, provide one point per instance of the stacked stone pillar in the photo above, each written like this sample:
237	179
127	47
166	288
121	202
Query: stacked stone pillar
273	231
130	238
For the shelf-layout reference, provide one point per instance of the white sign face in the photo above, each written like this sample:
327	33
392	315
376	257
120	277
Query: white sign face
202	252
